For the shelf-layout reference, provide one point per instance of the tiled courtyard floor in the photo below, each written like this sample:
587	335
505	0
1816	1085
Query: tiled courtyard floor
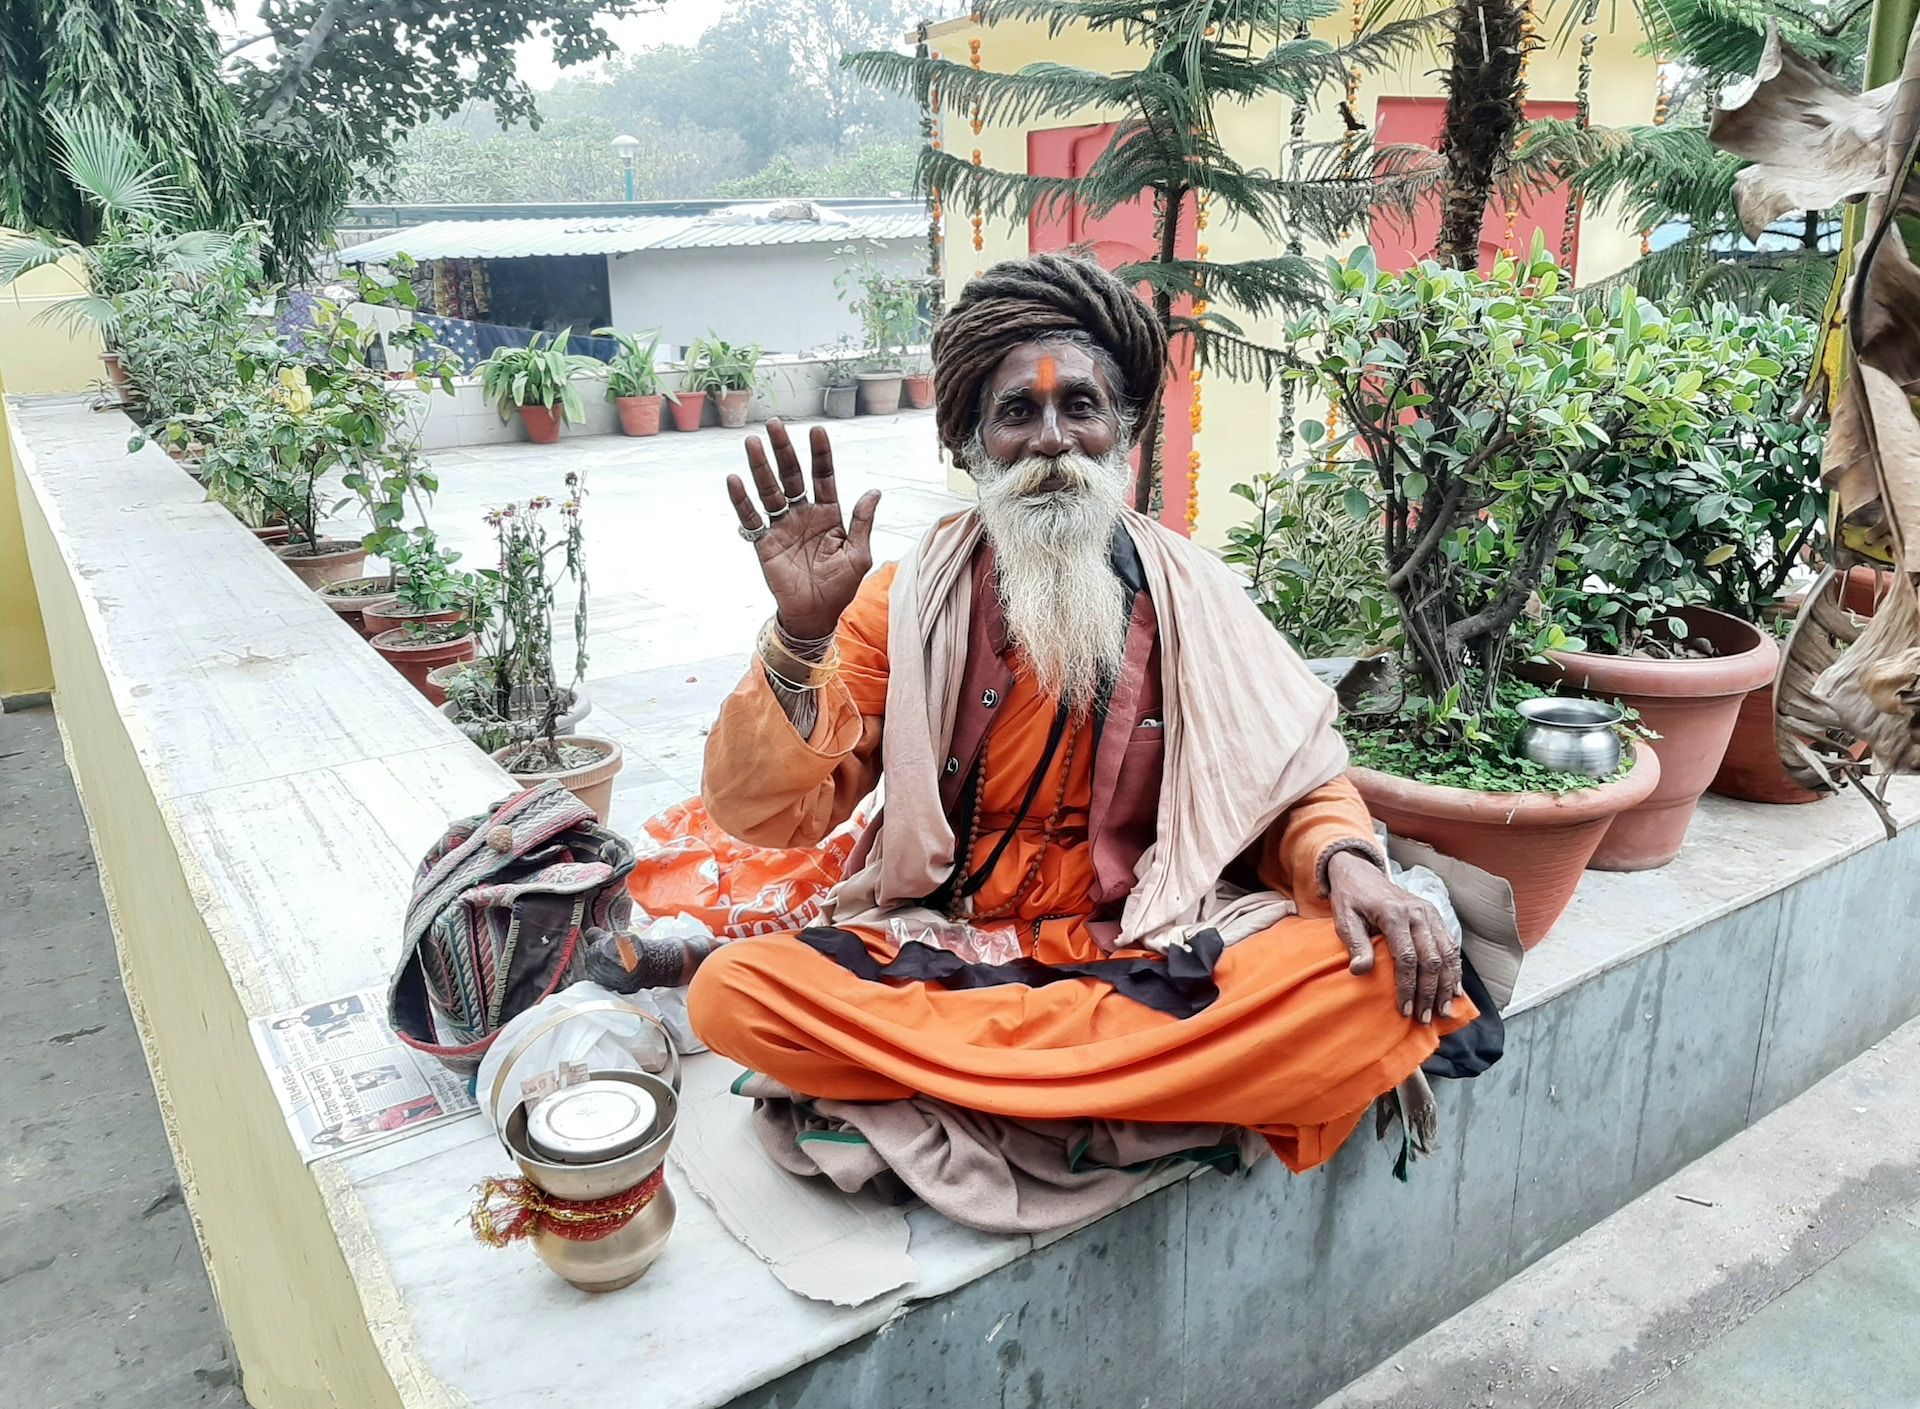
675	595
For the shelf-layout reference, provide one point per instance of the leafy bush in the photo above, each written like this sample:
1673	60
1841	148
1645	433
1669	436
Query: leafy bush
1720	521
1312	568
539	374
714	365
888	305
633	372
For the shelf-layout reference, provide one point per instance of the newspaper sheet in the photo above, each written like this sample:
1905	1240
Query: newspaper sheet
345	1082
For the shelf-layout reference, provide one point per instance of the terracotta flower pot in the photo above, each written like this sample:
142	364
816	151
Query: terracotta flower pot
879	393
116	370
391	616
639	415
688	410
732	406
1752	771
592	783
329	560
839	402
353	597
272	533
1692	705
578	704
414	659
1538	842
542	423
919	390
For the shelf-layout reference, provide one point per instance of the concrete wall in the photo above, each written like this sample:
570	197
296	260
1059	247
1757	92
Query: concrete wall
780	296
1238	437
26	670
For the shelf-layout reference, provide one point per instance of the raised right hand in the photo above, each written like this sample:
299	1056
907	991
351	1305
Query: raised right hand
813	563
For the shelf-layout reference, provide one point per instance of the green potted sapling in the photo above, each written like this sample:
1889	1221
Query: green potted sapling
838	366
726	371
1678	581
633	382
434	616
888	307
537	382
1473	413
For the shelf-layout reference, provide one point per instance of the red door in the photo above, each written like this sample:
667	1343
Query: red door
1124	235
1418	121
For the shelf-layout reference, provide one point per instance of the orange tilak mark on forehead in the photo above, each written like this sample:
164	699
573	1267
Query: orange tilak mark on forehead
1047	376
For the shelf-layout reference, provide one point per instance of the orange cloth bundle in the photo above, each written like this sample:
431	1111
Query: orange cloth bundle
688	866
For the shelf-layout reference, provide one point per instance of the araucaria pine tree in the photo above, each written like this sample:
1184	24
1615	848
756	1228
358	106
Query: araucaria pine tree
1195	57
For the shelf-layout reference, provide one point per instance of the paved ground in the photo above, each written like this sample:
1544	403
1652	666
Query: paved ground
676	596
103	1298
1782	1271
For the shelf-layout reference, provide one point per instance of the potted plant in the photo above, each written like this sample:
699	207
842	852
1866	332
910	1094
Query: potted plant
918	381
633	383
423	588
837	367
1685	556
515	706
728	371
423	644
537	381
1474	412
888	307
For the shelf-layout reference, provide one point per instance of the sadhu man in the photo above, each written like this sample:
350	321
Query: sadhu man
1117	871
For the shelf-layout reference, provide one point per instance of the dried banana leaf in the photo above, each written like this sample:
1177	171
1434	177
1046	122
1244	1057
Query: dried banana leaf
1813	143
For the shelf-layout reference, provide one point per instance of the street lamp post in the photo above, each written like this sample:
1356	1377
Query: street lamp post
629	148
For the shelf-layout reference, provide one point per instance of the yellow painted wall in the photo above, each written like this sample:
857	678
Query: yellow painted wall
38	357
1238	436
298	1323
25	668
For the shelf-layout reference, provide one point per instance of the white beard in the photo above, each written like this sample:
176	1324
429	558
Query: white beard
1053	557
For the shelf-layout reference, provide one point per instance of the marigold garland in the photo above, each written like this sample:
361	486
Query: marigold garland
1520	102
1583	116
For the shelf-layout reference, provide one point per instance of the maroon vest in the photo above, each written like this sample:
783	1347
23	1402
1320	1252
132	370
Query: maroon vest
1130	742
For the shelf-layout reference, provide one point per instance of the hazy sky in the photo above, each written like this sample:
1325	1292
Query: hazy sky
681	22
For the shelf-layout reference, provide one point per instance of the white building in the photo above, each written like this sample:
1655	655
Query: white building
754	273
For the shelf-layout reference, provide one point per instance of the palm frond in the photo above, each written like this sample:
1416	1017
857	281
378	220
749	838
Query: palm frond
1724	37
195	252
81	314
104	162
1693	271
1232	354
1256	18
30	252
1651	174
1291	283
1012	98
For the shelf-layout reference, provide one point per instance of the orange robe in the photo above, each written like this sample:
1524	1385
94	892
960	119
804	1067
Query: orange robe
1295	1047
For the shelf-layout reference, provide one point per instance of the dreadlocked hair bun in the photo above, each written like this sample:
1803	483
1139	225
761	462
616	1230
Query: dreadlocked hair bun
1025	300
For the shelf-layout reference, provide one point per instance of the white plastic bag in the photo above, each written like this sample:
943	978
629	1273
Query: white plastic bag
580	1029
1421	882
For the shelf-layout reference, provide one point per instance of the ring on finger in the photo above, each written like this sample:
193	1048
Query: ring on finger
753	535
773	514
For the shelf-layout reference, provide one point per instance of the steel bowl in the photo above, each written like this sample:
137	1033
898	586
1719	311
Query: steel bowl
1572	735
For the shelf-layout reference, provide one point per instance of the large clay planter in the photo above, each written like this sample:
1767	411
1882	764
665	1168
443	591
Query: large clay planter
1539	843
879	393
116	372
688	410
919	390
353	598
272	533
732	406
542	423
1752	771
414	659
330	560
1692	705
591	783
390	616
639	415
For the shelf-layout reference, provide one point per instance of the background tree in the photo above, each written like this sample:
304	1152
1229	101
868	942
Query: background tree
1196	56
1660	175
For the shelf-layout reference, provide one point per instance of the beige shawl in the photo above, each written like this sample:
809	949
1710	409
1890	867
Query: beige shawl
1249	732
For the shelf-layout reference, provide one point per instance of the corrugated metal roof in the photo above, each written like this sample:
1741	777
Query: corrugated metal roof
513	239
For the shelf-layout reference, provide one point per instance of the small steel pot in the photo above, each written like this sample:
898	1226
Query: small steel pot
1571	735
612	1262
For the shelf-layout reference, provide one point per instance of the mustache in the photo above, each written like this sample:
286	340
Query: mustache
1079	473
